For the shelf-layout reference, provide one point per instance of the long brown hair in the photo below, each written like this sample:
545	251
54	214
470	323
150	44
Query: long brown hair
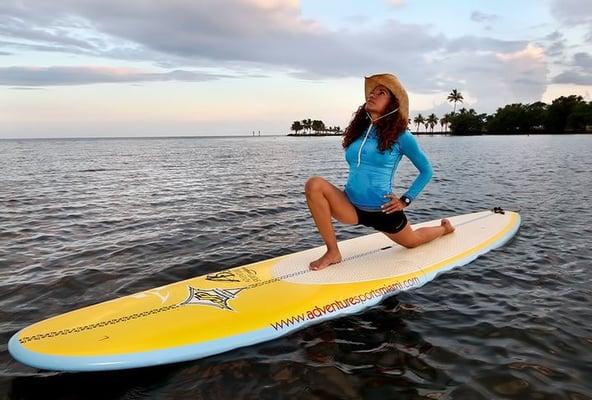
389	128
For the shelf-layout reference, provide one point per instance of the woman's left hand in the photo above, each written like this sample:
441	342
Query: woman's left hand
395	204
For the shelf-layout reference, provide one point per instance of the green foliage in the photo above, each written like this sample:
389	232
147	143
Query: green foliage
559	112
570	113
308	126
580	118
564	114
467	122
509	119
418	121
318	126
454	97
296	127
432	120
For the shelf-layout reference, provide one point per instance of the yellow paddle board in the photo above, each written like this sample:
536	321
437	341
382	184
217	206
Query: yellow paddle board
250	304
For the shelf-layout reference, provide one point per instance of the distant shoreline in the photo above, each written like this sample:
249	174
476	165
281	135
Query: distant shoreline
463	134
284	135
315	134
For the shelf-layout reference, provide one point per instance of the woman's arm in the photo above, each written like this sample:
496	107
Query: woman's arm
411	149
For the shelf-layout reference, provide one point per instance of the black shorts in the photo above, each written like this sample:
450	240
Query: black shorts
381	221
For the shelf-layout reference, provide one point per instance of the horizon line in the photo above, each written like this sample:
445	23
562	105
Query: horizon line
139	137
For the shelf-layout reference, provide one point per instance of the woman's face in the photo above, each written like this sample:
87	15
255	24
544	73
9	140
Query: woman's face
378	100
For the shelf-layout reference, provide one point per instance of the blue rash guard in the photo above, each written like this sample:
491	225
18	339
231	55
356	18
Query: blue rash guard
371	172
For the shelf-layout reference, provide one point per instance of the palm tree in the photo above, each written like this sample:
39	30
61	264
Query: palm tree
449	117
296	126
318	126
455	96
432	121
418	120
307	124
443	122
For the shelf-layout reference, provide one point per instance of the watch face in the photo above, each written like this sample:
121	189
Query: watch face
407	200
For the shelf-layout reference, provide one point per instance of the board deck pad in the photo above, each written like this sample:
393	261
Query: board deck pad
249	304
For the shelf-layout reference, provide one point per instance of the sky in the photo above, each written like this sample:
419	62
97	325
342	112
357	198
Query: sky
135	68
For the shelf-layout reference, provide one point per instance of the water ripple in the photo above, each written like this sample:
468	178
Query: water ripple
90	220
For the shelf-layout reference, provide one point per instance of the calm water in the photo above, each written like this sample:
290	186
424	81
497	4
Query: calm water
83	221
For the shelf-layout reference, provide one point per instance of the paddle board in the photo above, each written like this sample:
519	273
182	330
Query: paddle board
252	303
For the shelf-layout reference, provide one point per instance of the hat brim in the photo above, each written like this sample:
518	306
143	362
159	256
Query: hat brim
392	83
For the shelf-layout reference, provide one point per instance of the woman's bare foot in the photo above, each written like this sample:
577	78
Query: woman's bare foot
330	257
447	226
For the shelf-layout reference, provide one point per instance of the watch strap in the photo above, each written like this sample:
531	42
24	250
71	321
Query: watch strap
406	200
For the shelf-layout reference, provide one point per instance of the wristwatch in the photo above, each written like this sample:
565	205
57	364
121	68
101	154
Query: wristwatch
406	200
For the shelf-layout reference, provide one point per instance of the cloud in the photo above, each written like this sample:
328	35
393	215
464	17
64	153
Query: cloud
517	76
470	43
556	49
220	29
241	31
59	35
238	35
579	72
555	44
478	16
583	60
250	36
60	76
531	53
574	77
553	36
26	88
492	79
572	12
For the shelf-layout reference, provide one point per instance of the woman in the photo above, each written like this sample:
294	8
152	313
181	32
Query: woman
374	142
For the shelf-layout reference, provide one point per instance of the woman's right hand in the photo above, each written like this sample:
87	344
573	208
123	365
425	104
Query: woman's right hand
395	204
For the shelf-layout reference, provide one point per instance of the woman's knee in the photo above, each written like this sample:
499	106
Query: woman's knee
314	184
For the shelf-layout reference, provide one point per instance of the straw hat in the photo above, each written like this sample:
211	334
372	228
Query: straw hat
391	82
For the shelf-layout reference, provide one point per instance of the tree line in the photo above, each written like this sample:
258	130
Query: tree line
308	126
565	114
